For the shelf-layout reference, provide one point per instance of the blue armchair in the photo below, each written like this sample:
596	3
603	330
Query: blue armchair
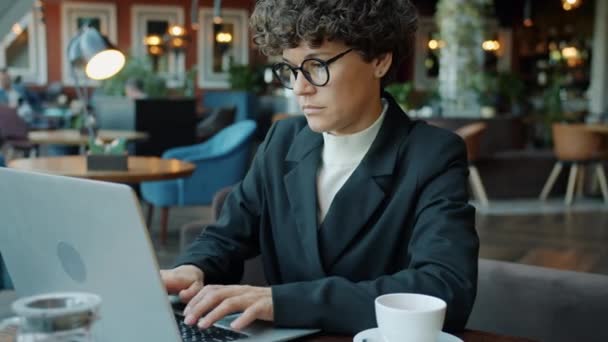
220	161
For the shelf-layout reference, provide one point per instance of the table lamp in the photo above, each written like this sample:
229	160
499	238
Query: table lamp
100	60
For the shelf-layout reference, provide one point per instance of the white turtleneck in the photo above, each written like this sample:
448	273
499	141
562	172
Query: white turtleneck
340	157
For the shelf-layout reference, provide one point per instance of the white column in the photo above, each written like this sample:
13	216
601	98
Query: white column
461	25
599	67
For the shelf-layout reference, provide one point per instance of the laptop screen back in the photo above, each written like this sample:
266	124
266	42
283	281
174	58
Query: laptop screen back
67	234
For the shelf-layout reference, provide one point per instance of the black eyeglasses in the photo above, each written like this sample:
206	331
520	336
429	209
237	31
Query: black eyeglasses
315	70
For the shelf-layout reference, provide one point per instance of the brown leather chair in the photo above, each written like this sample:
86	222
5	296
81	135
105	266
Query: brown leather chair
13	133
471	134
576	146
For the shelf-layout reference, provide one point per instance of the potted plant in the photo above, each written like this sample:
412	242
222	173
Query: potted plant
243	77
485	85
136	67
511	89
551	111
401	93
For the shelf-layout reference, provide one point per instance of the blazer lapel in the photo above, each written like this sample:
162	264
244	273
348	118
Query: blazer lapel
301	186
354	205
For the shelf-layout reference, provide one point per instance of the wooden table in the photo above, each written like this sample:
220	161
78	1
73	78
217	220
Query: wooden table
75	138
466	336
598	127
139	168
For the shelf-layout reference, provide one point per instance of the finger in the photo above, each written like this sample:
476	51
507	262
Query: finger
198	296
248	316
205	300
228	306
214	291
186	294
172	284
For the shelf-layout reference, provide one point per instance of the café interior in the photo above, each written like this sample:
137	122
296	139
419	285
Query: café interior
526	88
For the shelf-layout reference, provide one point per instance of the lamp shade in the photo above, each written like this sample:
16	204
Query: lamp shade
89	49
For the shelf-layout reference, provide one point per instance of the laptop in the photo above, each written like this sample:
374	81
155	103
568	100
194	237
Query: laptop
67	234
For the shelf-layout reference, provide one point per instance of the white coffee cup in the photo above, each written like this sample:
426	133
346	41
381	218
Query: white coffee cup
409	317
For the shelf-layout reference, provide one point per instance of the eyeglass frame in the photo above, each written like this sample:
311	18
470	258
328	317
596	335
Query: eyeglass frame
294	69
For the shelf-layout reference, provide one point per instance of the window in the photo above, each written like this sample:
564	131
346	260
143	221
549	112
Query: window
23	50
155	20
221	44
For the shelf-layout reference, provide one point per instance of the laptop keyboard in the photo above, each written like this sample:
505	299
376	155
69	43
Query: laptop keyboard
211	334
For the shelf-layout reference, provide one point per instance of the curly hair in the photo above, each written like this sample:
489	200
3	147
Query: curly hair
371	27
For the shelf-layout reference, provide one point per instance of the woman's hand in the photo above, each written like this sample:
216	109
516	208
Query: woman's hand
217	301
185	280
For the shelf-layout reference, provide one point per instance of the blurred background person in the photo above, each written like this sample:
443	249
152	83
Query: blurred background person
8	95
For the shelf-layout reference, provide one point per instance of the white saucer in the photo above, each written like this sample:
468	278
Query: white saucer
373	335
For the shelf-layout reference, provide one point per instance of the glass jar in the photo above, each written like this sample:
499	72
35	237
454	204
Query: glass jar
55	317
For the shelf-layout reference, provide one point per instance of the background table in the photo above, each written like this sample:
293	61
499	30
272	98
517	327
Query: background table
599	128
75	138
139	168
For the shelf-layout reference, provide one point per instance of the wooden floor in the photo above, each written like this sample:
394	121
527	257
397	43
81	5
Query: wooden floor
575	241
572	241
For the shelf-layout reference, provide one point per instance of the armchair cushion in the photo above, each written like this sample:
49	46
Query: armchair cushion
219	119
221	161
540	303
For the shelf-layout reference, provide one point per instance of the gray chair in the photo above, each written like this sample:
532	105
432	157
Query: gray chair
253	273
540	303
189	231
218	119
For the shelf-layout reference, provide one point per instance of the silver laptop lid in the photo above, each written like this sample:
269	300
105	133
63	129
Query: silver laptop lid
62	234
68	234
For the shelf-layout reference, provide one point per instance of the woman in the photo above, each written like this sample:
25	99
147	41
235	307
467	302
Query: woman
351	201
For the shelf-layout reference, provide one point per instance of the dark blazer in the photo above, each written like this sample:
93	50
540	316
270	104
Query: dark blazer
400	223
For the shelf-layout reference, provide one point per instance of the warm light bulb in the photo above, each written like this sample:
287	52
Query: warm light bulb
491	45
223	37
570	4
177	42
433	44
155	50
176	31
153	40
570	52
528	22
105	64
17	29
